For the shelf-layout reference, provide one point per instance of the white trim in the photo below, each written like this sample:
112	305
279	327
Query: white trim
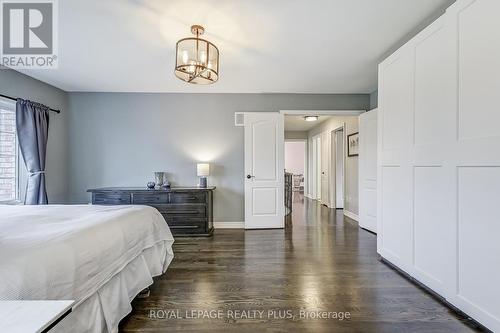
315	191
332	190
20	170
229	225
351	215
323	112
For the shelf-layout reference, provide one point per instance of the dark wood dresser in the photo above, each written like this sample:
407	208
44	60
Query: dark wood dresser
187	210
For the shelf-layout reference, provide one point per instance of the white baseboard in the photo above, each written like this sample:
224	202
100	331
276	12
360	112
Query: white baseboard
351	215
229	225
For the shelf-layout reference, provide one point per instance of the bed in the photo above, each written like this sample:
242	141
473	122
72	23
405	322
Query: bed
99	256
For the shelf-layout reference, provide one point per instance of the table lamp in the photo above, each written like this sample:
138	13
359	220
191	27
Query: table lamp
203	172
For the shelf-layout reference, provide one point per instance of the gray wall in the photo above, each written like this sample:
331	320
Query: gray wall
295	135
374	100
351	203
120	139
15	84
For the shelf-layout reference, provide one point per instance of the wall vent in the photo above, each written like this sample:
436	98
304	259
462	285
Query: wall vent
239	119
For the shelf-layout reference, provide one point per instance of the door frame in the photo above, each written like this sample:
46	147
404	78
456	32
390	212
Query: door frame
312	112
333	166
316	167
281	156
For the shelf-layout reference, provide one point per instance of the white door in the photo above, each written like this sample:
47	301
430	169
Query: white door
316	167
368	171
339	169
325	166
264	170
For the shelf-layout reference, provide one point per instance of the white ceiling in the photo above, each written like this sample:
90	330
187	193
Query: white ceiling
297	123
287	46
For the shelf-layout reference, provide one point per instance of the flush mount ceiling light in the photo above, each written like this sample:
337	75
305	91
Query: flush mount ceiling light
311	118
196	59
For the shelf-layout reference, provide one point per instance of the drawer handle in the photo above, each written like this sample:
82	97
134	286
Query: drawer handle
185	198
184	227
184	212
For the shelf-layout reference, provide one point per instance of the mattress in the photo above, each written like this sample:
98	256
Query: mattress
58	252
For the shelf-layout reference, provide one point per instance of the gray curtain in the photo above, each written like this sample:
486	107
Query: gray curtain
32	120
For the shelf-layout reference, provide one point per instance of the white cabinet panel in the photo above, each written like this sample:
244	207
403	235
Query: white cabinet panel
432	98
478	244
432	221
397	94
396	226
479	69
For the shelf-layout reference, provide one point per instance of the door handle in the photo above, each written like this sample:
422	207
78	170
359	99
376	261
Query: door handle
250	176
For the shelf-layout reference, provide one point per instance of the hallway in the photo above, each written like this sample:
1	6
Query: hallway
323	263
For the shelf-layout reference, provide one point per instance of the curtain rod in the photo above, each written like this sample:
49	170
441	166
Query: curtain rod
15	99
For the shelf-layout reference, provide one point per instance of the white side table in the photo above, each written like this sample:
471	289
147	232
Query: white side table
32	316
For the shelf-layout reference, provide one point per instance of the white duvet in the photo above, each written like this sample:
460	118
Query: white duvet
69	252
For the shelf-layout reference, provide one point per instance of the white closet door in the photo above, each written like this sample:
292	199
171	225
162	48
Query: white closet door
439	158
368	170
477	151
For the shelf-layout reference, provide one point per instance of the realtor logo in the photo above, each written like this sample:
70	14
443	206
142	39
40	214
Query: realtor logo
29	34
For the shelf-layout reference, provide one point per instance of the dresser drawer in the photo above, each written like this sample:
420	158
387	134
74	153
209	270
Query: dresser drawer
187	227
111	198
182	210
149	198
188	197
173	219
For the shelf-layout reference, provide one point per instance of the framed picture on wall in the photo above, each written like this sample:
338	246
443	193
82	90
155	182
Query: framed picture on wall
353	144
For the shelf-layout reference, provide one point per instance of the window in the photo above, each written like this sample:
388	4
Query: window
9	153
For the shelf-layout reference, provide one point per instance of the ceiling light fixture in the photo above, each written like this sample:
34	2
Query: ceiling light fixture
196	59
311	118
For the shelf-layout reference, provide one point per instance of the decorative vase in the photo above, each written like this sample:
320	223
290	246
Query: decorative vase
151	185
159	179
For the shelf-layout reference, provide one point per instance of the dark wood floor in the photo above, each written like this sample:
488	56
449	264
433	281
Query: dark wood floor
324	263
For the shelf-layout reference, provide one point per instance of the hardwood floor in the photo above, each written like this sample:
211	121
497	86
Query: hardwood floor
324	263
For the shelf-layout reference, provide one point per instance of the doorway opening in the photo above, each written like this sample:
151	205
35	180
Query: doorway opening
265	186
295	164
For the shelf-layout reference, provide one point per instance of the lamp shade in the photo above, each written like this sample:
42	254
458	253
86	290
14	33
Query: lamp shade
203	169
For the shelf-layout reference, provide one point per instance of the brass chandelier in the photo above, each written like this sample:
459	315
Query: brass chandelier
197	59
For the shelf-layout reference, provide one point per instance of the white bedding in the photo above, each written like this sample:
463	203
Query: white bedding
72	252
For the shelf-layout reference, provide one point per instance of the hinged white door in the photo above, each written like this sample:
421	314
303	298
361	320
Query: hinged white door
368	171
264	170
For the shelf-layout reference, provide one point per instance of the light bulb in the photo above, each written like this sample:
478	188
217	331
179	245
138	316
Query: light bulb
311	118
185	57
